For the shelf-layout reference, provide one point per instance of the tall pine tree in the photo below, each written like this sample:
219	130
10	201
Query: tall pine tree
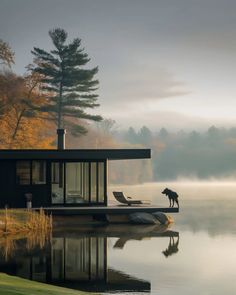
71	87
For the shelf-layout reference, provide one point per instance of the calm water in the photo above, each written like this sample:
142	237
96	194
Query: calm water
197	255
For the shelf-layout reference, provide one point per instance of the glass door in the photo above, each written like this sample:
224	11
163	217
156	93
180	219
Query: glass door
77	183
93	182
57	180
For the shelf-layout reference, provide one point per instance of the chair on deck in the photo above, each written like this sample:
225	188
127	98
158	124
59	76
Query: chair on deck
120	197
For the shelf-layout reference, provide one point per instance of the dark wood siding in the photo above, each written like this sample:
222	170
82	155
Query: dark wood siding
13	194
7	183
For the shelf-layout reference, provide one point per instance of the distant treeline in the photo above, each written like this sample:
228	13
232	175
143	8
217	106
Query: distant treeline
202	155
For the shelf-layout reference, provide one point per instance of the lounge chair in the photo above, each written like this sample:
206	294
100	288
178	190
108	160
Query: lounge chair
120	197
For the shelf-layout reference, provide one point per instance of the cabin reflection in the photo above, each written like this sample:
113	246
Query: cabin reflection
78	259
76	263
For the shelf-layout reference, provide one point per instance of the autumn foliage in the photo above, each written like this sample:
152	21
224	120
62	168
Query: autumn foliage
21	126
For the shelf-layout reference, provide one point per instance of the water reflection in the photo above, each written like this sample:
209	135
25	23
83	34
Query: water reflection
79	260
13	243
122	241
172	248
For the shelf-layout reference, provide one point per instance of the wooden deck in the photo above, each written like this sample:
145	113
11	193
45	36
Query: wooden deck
100	210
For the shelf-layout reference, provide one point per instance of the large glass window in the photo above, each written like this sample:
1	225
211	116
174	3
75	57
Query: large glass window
57	179
38	172
101	181
84	182
30	172
74	183
77	182
93	182
23	172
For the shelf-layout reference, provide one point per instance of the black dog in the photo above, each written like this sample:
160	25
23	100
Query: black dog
173	196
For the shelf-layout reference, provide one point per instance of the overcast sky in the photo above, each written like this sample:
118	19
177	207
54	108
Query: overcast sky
161	63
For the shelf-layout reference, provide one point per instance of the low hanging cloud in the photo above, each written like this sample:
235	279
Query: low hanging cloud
138	84
152	85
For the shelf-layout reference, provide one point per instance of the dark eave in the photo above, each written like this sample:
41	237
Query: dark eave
83	154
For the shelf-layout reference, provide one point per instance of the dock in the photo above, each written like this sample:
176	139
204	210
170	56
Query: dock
110	210
74	216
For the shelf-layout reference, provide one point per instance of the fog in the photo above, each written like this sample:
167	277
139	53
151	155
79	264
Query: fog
204	206
208	155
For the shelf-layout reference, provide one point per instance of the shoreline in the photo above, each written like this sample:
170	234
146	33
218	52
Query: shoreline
12	285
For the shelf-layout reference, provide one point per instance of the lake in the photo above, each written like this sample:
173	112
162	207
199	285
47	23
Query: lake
196	255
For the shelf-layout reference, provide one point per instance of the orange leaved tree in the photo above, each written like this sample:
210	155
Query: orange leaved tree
22	127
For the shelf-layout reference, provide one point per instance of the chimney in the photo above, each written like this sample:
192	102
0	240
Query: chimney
61	139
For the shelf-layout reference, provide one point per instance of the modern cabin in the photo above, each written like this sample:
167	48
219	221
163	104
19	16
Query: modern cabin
61	177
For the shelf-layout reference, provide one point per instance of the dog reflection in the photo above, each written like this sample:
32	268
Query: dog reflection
172	247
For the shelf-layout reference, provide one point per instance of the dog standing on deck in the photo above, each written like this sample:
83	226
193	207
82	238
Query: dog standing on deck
173	196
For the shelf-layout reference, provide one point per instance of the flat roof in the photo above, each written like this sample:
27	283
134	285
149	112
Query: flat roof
76	154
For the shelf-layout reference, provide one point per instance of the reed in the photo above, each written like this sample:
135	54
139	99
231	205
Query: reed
13	221
18	224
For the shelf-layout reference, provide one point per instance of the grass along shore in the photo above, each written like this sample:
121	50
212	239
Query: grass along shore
13	221
17	224
10	285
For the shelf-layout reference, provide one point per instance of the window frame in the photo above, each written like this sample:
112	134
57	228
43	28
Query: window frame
44	172
31	173
17	176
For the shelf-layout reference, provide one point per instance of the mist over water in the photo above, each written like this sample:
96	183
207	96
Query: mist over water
186	188
204	206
